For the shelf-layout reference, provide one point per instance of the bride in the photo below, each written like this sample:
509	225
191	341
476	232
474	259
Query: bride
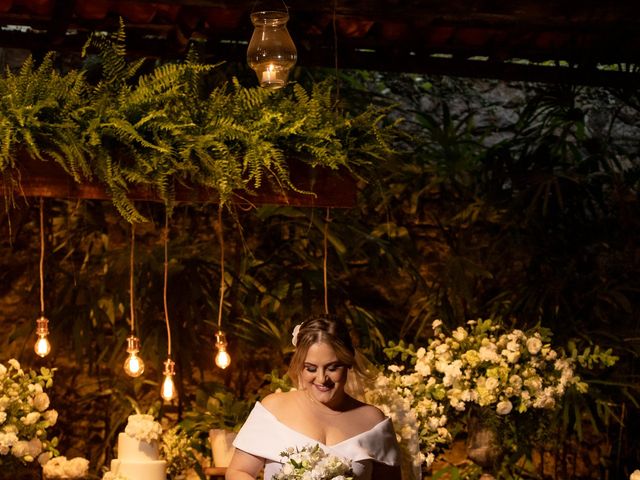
319	412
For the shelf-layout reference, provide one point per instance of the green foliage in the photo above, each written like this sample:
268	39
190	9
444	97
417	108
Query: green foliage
216	408
531	216
130	129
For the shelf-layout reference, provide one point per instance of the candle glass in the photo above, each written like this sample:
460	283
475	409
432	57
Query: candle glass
271	53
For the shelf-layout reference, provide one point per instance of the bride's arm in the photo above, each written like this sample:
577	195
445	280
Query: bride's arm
243	466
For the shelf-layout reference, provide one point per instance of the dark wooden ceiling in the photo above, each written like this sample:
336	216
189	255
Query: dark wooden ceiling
553	41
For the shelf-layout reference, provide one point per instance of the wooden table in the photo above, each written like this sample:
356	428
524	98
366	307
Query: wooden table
215	472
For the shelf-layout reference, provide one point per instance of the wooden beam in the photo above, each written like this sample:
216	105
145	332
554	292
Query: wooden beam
327	188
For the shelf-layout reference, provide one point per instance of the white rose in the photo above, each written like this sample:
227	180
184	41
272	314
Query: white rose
44	458
11	429
7	440
491	383
534	344
436	324
41	401
504	407
31	418
51	416
3	370
27	450
14	363
635	475
459	334
511	356
513	346
54	467
76	467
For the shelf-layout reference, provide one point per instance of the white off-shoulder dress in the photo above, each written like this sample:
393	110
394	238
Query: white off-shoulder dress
263	435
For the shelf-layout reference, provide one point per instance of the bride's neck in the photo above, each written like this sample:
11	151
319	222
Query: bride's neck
336	407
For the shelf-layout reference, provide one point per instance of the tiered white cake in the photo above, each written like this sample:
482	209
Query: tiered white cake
138	455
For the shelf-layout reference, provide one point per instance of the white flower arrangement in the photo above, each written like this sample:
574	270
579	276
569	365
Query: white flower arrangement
143	428
25	415
483	366
398	407
313	463
63	468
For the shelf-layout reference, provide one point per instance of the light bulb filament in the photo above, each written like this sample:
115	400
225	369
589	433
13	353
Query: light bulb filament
133	365
42	346
168	388
223	359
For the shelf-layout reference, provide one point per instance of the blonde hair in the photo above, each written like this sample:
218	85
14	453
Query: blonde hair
335	333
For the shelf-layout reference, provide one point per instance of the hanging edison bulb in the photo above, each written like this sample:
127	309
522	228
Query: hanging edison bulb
168	388
42	346
133	365
223	359
271	51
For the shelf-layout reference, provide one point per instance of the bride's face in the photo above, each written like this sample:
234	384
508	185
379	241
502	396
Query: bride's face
323	375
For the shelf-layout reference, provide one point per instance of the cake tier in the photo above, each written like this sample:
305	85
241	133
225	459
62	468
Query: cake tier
132	450
150	470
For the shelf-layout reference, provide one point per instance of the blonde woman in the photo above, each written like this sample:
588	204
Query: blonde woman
319	411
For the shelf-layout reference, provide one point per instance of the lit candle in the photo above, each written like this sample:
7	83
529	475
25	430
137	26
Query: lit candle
269	74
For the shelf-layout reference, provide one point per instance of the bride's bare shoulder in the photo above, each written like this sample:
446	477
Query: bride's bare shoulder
371	414
279	401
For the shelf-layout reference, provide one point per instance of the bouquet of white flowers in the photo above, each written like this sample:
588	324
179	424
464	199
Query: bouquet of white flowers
143	428
311	462
63	468
25	416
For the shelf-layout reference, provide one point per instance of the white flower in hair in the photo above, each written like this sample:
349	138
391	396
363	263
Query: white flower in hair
294	335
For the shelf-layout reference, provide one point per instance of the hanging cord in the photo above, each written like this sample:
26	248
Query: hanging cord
335	48
131	257
253	7
324	262
41	256
221	240
166	275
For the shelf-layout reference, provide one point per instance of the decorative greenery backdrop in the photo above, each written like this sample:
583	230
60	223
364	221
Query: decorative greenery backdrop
114	123
531	216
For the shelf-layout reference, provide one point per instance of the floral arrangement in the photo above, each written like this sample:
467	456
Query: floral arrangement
143	428
25	415
177	451
482	366
398	407
61	467
311	462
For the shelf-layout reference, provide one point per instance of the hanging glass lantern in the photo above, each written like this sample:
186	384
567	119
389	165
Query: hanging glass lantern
271	51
